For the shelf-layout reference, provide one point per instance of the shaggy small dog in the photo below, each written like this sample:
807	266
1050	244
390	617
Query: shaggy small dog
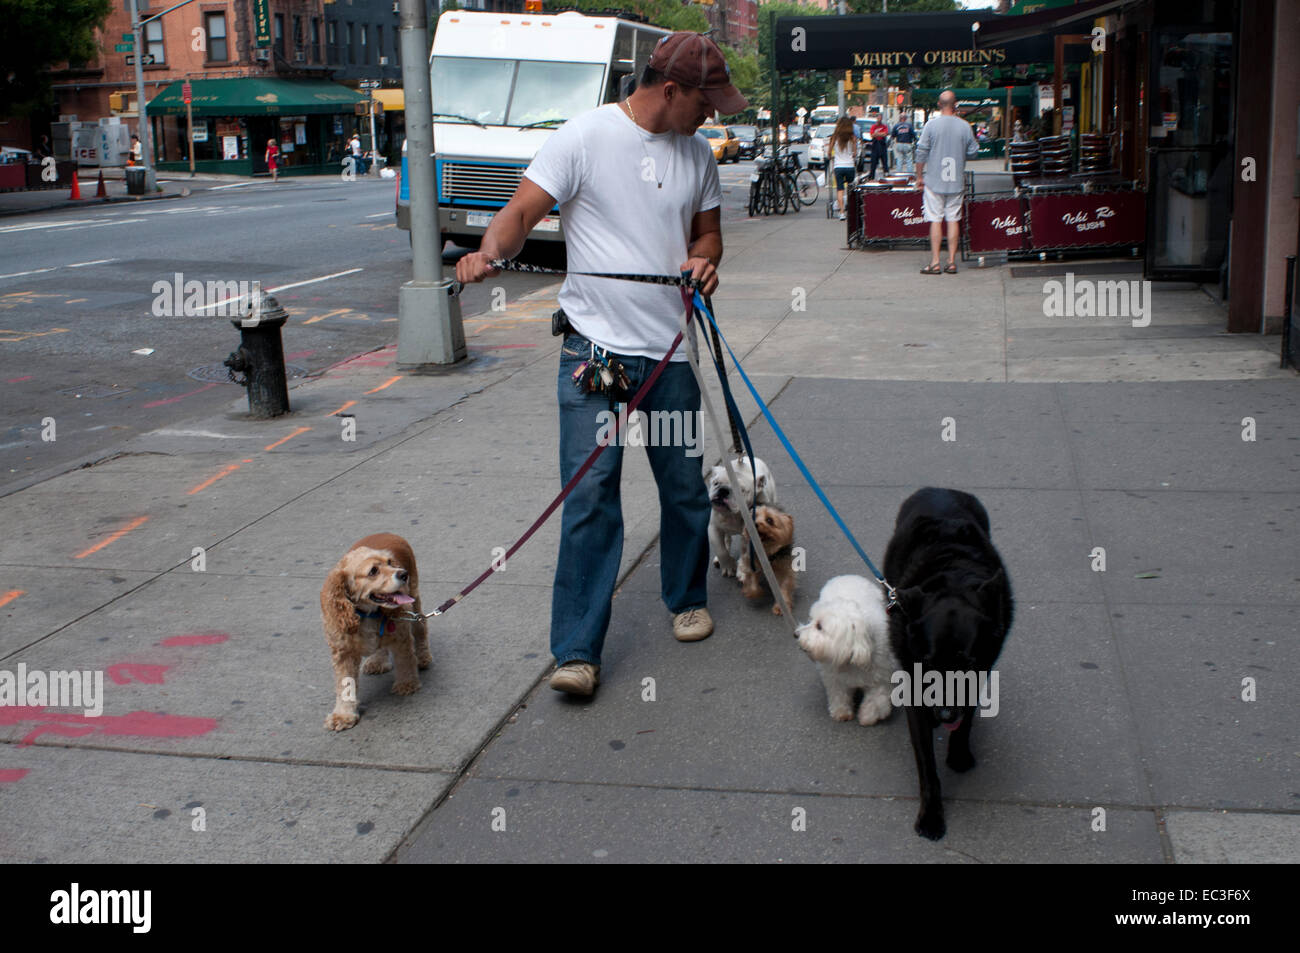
367	603
725	521
776	532
848	637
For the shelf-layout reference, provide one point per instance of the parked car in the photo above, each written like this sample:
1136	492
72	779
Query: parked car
747	136
818	147
726	147
796	132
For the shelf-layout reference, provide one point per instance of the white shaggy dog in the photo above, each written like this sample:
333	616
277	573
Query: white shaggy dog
848	637
725	521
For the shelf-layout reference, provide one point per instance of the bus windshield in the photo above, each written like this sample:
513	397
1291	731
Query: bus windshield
513	92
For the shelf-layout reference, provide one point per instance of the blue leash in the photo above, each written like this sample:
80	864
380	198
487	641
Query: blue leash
702	308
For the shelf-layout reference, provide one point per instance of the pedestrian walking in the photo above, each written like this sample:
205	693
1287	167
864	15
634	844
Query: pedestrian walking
358	158
844	150
904	146
273	159
946	142
137	151
638	192
879	146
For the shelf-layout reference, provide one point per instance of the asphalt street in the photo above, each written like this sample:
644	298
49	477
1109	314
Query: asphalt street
79	304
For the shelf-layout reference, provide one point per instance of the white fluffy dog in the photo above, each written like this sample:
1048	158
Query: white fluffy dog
725	521
848	637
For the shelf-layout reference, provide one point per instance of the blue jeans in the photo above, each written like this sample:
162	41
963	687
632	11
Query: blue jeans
591	527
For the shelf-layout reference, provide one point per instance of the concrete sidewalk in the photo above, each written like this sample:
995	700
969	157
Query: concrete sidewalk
172	185
1121	690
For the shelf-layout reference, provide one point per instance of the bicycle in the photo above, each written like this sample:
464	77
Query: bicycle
802	181
770	190
774	188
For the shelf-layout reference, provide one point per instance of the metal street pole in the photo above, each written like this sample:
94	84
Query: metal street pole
374	143
142	119
839	87
429	329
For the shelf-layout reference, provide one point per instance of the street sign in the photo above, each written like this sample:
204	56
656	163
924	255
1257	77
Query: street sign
369	84
123	47
187	93
146	60
801	112
128	37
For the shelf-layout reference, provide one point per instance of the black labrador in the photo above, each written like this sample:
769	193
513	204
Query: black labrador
954	611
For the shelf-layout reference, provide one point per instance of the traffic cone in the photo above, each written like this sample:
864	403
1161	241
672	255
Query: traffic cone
76	188
101	192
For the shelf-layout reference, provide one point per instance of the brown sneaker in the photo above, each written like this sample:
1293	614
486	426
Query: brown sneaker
693	625
576	678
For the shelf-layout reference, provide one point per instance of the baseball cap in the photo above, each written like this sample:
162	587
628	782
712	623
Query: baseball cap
693	59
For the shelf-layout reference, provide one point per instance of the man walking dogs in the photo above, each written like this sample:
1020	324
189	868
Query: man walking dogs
638	192
946	142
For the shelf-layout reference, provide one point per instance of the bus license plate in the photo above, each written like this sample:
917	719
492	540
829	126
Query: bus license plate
478	219
549	224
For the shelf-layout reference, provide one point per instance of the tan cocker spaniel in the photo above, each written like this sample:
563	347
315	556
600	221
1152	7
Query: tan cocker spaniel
370	604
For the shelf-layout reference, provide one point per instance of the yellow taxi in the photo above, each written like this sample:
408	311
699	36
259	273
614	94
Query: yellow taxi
726	147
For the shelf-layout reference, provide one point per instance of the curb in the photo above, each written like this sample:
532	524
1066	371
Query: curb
89	203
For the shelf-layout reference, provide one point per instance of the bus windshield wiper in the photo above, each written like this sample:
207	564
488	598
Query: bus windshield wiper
541	122
463	118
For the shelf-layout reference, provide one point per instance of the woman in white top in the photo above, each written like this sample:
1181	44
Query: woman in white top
844	149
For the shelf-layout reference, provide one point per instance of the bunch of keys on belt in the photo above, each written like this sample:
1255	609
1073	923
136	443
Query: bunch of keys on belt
602	374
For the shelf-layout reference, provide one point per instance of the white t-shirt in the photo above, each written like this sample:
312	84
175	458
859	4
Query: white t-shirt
844	158
604	172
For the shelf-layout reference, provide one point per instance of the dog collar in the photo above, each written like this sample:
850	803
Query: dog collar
387	625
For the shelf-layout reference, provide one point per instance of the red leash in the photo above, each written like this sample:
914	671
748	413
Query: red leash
568	487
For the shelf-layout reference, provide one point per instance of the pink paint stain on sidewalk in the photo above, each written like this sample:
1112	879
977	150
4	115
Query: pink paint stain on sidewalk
135	724
200	638
10	775
19	380
124	673
172	400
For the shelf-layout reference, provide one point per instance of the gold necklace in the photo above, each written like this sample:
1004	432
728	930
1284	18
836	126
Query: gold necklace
632	115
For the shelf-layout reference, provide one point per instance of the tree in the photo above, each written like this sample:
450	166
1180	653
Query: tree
38	35
806	88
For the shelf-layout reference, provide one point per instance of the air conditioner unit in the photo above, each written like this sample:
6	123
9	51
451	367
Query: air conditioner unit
300	57
383	61
262	56
397	6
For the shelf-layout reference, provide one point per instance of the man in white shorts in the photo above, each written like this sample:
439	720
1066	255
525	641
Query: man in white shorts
948	138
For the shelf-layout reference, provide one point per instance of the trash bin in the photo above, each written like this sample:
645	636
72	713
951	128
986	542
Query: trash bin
135	180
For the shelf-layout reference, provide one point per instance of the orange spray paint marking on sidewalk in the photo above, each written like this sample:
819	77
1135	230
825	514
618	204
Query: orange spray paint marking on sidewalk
388	383
272	446
10	596
137	522
341	409
213	479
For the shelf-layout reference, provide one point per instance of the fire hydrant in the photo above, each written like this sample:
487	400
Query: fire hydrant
260	357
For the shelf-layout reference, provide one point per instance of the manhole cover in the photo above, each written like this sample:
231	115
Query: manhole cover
220	374
93	391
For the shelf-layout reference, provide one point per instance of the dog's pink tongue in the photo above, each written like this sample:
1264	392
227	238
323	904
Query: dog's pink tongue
402	600
953	725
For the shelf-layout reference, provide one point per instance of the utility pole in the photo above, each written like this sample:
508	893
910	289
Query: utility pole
142	119
429	329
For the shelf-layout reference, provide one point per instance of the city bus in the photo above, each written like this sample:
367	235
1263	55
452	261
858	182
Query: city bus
502	83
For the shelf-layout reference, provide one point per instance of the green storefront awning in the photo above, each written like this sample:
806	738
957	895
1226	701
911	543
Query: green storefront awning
256	97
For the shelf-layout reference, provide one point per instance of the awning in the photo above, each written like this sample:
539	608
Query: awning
393	100
977	98
256	97
1044	21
